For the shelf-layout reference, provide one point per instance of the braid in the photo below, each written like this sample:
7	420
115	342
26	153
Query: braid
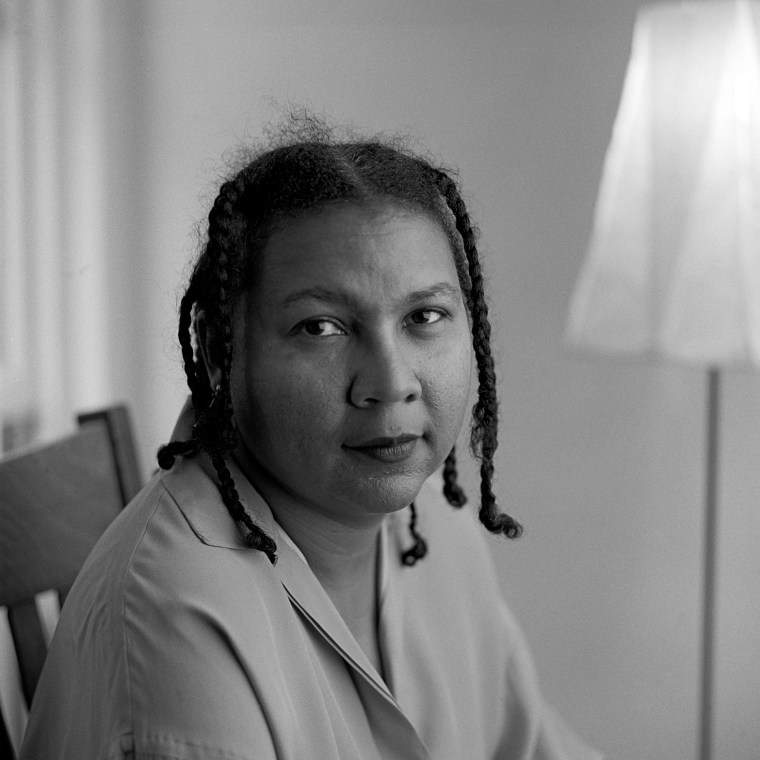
256	538
214	430
167	454
419	549
222	240
485	412
451	489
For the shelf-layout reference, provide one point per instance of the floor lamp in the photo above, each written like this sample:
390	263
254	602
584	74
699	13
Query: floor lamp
673	267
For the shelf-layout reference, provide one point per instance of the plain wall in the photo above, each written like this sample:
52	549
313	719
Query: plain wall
601	460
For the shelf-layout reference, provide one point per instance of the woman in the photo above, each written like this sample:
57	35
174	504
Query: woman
291	585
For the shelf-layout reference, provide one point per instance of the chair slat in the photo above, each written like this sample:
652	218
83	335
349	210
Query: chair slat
122	447
29	643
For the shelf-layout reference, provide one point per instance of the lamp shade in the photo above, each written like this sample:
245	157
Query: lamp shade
673	267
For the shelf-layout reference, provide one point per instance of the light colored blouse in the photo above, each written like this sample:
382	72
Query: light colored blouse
179	642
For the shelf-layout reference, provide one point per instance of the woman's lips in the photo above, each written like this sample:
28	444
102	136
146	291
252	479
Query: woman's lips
387	449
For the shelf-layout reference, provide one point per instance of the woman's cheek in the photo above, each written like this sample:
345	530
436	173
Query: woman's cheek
447	400
451	377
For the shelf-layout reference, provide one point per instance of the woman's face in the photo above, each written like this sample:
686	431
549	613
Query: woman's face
352	361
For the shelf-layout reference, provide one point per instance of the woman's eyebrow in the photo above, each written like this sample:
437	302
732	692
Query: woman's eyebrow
318	294
438	290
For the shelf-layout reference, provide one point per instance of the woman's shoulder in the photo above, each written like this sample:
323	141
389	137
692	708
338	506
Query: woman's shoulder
176	538
156	625
172	555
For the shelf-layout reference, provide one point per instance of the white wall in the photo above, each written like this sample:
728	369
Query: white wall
602	461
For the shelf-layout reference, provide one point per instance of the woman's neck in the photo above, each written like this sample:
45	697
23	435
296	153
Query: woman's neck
342	554
345	561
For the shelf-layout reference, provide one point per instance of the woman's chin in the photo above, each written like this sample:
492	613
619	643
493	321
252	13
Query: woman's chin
388	493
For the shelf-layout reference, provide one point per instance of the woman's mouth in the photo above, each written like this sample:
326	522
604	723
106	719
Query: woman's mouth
387	449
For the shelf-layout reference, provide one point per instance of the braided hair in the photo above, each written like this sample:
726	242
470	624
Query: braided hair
284	182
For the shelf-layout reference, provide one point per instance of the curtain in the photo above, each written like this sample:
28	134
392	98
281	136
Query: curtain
53	341
53	266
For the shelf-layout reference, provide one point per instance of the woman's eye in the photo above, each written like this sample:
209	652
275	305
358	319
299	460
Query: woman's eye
426	317
320	328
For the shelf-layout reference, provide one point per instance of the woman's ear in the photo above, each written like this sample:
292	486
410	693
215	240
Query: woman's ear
210	349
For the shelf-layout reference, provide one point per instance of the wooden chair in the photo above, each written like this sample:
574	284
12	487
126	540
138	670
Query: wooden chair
55	501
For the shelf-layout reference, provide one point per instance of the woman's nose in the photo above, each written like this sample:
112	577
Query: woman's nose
384	376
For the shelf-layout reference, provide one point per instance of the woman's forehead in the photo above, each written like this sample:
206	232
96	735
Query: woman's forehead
356	247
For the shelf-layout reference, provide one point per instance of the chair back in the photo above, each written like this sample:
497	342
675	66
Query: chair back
55	502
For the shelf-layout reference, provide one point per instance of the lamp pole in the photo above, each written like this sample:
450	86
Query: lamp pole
709	569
